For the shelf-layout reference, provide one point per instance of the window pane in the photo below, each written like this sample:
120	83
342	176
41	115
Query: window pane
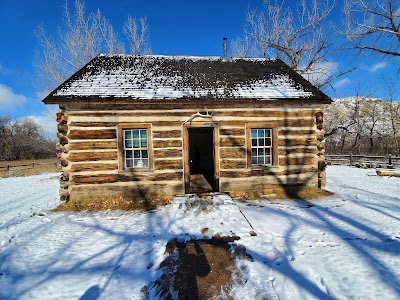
253	152
253	133
254	160
136	154
260	160
135	133
268	142
145	154
260	142
128	134
135	143
128	143
129	163
138	163
143	134
261	133
261	152
268	160
143	143
253	142
128	154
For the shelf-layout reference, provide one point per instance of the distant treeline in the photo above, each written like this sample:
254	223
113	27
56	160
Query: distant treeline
362	125
24	139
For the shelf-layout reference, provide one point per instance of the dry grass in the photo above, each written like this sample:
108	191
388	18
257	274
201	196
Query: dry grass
26	167
289	193
114	204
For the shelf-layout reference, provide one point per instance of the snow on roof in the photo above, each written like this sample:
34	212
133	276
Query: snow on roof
158	77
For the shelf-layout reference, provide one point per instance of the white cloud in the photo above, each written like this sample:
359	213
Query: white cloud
321	72
9	99
47	119
378	66
341	83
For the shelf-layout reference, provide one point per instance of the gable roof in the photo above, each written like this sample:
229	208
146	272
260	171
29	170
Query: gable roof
155	78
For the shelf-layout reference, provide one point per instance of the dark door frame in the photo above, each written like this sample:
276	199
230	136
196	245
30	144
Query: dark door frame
186	163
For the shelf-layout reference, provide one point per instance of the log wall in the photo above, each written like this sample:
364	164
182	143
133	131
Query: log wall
90	158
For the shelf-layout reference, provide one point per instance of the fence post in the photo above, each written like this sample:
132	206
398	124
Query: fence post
351	159
8	167
33	165
390	159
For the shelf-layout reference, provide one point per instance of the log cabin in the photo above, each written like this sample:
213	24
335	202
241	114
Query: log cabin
143	128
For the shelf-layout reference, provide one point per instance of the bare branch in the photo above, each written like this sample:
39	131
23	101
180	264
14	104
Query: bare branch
298	37
137	35
373	26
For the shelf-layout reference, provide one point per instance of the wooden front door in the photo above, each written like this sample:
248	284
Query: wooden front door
201	168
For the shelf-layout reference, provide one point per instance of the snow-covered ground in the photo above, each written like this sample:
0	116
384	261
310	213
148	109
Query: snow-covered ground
346	246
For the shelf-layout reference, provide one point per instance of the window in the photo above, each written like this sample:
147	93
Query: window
134	146
262	145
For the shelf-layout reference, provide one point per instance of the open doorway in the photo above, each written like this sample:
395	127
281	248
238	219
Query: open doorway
201	154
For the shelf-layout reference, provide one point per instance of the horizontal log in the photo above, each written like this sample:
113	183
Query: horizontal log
232	131
231	141
233	164
166	143
134	176
93	145
168	164
282	132
64	163
167	153
271	184
297	150
93	167
306	160
92	156
260	172
156	124
279	123
298	141
226	112
167	134
233	152
93	134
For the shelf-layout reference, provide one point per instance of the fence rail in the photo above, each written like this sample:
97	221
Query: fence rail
25	166
363	161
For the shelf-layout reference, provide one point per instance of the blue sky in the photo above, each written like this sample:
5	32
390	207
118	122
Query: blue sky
177	27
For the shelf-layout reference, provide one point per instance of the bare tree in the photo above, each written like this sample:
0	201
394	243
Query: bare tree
81	37
373	25
243	47
297	36
391	86
24	139
137	34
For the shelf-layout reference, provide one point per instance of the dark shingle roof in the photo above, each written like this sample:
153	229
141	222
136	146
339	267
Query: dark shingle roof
164	78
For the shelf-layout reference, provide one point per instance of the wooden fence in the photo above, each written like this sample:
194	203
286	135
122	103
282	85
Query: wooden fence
25	166
363	161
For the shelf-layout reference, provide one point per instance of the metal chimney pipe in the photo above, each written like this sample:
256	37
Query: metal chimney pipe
225	48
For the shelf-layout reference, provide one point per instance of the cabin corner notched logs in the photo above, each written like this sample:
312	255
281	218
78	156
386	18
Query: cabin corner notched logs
62	147
319	121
